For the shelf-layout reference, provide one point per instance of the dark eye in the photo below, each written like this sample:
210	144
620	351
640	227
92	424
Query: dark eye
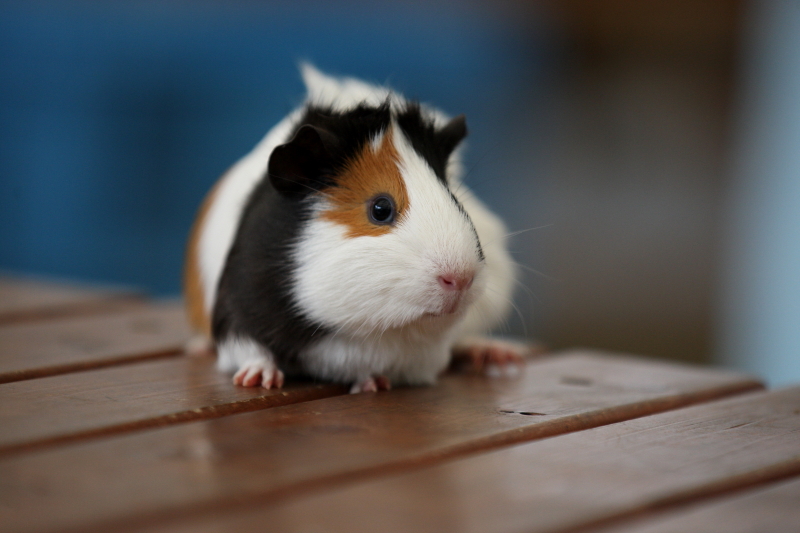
381	210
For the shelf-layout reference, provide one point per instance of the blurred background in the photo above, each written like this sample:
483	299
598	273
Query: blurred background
654	147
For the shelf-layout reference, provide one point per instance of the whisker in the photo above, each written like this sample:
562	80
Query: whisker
475	165
534	271
515	233
528	291
519	313
505	325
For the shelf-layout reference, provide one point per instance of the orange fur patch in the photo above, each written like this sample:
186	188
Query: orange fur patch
371	173
193	293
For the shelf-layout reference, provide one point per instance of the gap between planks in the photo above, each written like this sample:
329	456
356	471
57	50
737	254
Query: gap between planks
27	300
337	441
112	304
59	346
490	444
579	482
57	410
747	481
768	507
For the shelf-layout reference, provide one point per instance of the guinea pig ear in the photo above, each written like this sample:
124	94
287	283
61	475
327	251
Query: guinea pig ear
452	133
298	167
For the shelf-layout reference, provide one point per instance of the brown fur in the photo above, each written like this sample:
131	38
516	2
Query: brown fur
194	295
371	173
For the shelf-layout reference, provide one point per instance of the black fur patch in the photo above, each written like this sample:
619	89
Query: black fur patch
253	297
435	146
345	133
254	293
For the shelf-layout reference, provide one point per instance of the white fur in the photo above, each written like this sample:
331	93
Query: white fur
372	283
374	291
493	307
236	352
340	94
380	295
413	355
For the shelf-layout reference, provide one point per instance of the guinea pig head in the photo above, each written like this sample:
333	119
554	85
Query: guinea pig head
386	244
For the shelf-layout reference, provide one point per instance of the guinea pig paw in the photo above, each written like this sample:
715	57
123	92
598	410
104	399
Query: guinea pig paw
494	357
371	384
255	373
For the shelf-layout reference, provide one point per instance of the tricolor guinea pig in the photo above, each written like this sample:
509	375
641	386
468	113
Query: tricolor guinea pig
344	247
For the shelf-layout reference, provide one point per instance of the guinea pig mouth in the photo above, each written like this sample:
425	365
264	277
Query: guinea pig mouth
449	306
437	317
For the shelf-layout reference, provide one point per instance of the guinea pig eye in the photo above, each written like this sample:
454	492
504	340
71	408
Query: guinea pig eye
381	210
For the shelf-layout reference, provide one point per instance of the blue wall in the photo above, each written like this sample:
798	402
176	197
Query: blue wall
760	319
115	118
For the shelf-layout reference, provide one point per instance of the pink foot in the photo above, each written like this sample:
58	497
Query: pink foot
372	384
255	373
492	356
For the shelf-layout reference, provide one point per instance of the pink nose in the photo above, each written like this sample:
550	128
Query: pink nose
456	282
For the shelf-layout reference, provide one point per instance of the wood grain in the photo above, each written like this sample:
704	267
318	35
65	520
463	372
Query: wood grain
71	407
24	300
773	508
33	350
565	484
268	455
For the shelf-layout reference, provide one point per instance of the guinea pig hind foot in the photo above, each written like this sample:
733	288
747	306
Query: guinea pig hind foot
491	356
371	384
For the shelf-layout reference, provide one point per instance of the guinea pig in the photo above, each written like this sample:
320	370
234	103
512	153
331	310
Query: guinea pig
345	247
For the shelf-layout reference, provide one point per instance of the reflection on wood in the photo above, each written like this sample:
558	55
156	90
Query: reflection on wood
318	444
121	442
566	483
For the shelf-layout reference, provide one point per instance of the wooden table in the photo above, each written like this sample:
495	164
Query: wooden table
106	426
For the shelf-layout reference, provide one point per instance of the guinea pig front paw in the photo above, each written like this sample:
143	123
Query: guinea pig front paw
259	372
371	384
492	356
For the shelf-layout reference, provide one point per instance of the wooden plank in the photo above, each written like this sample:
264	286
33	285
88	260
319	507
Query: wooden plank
773	508
270	454
36	349
24	300
570	483
71	407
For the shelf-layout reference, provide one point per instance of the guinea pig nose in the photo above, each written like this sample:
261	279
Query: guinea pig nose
456	281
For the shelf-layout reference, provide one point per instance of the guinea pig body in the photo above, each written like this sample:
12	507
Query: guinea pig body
344	246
